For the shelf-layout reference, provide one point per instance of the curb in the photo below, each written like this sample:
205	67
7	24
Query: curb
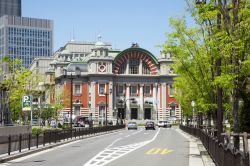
198	153
39	149
195	158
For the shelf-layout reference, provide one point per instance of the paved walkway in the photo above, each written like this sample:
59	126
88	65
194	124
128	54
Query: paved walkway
198	154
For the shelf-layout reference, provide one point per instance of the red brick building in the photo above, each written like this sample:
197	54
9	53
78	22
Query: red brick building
128	84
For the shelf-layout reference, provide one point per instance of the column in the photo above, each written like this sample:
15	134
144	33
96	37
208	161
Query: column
159	100
111	101
168	94
92	91
141	111
127	67
114	100
155	111
140	67
127	101
164	97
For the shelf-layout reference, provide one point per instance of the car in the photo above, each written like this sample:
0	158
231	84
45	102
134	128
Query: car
79	121
164	123
132	125
150	125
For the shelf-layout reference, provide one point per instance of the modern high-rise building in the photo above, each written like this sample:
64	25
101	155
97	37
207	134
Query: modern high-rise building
22	37
25	38
10	7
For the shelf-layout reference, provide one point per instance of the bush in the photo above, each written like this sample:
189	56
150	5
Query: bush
141	124
36	130
59	125
65	126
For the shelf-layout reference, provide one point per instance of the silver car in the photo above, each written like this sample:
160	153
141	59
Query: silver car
132	125
164	123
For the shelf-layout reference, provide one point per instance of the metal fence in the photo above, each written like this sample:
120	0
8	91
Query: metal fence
13	143
223	153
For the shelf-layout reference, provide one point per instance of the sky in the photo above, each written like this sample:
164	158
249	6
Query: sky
120	22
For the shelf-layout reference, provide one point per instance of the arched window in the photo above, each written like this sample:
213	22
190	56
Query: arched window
145	68
122	69
134	66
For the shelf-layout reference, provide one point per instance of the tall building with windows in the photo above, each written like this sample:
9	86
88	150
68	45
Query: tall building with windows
23	37
10	7
130	84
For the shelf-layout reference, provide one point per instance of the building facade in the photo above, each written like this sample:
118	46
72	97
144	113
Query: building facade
10	7
25	38
131	84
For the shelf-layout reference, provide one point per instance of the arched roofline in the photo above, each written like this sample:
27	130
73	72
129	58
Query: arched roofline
136	49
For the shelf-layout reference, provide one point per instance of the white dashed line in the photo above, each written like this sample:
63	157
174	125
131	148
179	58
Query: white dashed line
111	154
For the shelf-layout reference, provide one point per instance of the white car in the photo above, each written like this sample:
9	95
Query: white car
164	123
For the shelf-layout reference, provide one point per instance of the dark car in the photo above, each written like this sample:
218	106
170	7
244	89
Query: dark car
150	125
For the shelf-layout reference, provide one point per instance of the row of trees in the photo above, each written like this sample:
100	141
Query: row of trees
212	61
19	81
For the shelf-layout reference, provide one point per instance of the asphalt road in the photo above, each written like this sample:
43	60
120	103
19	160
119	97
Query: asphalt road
134	148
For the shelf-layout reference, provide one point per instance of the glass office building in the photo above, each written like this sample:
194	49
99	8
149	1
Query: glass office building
10	7
25	38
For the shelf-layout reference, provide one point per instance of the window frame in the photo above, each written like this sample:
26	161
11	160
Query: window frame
119	90
99	88
80	89
145	93
131	90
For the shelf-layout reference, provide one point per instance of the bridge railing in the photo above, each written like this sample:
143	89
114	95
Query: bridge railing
223	153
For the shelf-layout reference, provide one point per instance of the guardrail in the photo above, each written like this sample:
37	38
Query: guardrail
11	143
223	153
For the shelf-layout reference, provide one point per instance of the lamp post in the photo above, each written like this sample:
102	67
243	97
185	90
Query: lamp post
193	105
71	77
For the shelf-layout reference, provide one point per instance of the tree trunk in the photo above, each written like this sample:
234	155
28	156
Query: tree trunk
209	119
235	102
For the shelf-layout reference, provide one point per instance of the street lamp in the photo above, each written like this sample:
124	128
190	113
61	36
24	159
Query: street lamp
193	105
71	77
106	106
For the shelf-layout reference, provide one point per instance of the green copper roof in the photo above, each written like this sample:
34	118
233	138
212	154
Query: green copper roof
137	49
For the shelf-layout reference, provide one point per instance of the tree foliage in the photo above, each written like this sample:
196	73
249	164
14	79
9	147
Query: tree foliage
222	32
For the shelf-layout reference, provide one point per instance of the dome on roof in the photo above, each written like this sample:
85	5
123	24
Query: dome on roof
99	44
65	52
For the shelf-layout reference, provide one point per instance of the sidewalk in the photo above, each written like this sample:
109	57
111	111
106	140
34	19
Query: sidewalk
198	156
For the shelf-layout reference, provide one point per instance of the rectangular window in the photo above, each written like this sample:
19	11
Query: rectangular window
134	90
147	90
77	110
171	90
102	89
77	89
120	89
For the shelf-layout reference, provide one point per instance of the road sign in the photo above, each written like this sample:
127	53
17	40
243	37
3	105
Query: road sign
27	103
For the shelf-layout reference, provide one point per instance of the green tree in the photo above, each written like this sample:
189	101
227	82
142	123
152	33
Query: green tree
212	60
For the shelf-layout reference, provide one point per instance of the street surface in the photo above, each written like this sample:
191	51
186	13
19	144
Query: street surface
140	147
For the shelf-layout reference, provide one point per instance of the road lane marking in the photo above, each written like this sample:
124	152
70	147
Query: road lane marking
113	143
117	152
155	151
57	147
166	151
